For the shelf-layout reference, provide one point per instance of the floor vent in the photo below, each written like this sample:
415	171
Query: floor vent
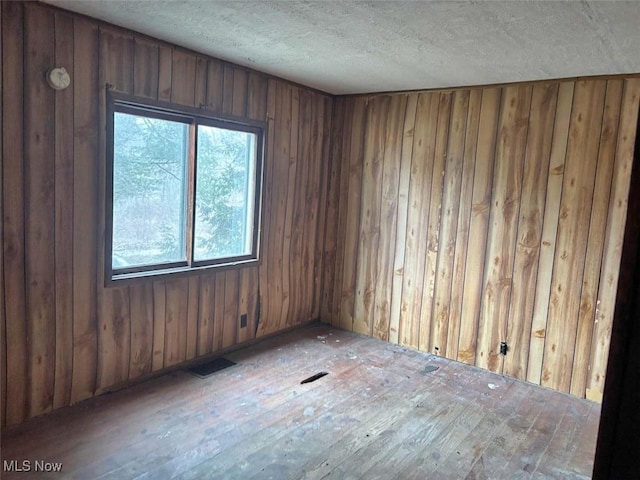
205	369
315	377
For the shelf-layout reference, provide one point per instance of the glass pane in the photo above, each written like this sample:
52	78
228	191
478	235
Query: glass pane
149	190
225	193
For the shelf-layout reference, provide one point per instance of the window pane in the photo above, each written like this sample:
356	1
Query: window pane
225	193
149	185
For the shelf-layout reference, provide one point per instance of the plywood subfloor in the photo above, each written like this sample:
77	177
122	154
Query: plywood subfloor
382	412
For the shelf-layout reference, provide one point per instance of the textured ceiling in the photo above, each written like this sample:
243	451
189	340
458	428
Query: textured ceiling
346	47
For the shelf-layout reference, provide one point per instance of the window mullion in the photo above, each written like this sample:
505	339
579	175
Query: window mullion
191	190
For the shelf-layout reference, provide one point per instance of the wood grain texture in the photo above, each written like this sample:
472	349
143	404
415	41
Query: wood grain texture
505	235
69	337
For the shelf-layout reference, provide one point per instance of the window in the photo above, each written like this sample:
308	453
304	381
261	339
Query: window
183	190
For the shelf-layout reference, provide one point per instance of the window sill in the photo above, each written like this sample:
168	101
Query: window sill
124	279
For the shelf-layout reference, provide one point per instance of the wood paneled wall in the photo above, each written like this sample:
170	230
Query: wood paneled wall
461	219
64	336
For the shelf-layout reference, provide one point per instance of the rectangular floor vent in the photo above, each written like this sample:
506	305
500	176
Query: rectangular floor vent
205	369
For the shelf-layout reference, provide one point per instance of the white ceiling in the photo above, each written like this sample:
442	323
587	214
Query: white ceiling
345	47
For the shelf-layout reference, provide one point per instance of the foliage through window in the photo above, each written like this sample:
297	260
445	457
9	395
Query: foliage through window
183	189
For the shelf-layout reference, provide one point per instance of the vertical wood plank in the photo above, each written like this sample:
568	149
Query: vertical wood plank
479	225
230	324
424	140
85	206
510	149
350	214
369	232
390	177
404	179
287	316
614	238
433	228
219	311
463	223
159	324
450	206
549	230
214	85
535	173
206	319
116	69
39	209
573	229
267	266
313	193
325	173
13	208
145	68
595	242
334	182
141	309
176	311
193	289
3	323
63	215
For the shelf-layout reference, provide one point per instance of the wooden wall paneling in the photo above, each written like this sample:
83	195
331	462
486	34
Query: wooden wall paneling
176	311
549	231
326	169
424	139
433	228
215	80
194	287
13	208
231	299
573	230
404	179
239	108
240	85
448	229
290	187
330	289
219	311
388	219
279	163
313	193
3	323
479	224
346	235
141	309
178	321
206	318
193	305
146	59
114	328
266	235
595	241
256	110
227	88
353	219
165	72
159	324
299	208
63	244
369	229
85	208
510	149
529	230
145	68
463	221
614	238
39	105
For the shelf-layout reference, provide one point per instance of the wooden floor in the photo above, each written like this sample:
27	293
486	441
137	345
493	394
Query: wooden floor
382	412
